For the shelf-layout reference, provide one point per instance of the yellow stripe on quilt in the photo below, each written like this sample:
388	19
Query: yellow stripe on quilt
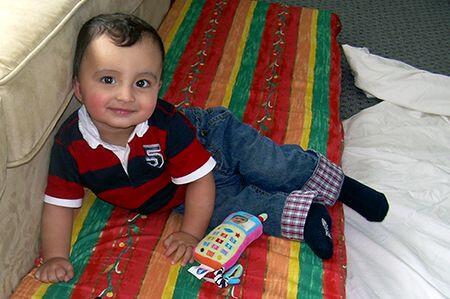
81	216
179	20
294	270
310	83
237	63
171	282
40	292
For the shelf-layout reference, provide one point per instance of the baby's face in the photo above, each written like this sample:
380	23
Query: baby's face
119	85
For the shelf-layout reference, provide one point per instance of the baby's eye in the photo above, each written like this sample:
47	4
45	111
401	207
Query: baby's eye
143	83
108	80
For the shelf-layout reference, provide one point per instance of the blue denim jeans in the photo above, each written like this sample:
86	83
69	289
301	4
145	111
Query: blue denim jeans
253	174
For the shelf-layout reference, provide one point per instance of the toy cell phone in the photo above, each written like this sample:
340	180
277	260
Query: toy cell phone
222	247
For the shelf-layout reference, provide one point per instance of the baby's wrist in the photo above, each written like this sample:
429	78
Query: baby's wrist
197	239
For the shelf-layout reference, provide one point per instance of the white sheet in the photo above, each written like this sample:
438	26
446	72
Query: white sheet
405	154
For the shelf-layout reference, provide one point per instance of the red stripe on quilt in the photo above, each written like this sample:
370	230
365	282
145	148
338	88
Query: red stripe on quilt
126	243
208	289
287	68
335	134
252	285
89	283
268	105
194	75
334	271
139	257
258	89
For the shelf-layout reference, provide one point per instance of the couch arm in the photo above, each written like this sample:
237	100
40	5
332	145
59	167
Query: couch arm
3	152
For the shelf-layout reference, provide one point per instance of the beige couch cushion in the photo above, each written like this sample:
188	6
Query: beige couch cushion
34	74
36	47
2	154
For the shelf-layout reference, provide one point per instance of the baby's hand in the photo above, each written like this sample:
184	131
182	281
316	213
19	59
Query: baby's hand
55	270
180	245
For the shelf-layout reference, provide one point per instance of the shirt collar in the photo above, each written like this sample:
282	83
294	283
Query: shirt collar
90	132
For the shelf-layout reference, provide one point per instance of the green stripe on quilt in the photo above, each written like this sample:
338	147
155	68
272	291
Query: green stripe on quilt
178	45
188	286
93	226
311	266
310	281
244	79
321	91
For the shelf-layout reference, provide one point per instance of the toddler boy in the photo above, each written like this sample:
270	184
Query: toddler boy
139	152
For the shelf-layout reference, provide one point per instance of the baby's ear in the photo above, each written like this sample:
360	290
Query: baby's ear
76	89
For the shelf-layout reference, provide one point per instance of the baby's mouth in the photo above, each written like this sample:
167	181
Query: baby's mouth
121	111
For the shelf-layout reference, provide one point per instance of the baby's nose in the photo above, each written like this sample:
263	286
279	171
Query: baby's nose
125	94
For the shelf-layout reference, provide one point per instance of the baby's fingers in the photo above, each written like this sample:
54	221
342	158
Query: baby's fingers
187	258
179	253
60	274
39	275
69	273
171	248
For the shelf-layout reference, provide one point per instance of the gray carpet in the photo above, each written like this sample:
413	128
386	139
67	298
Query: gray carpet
416	32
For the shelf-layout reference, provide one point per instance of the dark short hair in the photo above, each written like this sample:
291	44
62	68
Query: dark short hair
123	29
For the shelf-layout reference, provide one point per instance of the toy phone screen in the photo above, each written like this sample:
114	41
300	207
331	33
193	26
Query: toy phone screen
244	222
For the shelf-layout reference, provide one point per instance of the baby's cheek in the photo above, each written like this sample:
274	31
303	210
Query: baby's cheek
149	107
96	101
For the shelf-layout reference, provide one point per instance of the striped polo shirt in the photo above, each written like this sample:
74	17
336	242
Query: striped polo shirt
151	172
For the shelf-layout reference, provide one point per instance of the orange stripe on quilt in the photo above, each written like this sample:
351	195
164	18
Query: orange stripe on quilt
173	21
299	80
198	65
40	290
231	55
159	265
30	287
310	82
277	272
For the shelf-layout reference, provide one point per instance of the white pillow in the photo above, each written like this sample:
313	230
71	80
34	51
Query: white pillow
398	82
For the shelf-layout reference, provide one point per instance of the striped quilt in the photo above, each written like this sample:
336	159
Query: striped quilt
277	68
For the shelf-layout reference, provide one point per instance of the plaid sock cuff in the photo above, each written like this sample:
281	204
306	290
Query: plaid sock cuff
294	215
326	181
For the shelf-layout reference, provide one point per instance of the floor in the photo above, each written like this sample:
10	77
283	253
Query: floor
416	32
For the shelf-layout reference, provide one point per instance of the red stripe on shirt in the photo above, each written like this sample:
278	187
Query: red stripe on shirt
60	188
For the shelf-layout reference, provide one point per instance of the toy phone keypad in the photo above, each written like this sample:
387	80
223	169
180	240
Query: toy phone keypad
223	242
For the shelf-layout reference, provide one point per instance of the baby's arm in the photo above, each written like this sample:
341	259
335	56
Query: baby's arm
56	230
199	205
